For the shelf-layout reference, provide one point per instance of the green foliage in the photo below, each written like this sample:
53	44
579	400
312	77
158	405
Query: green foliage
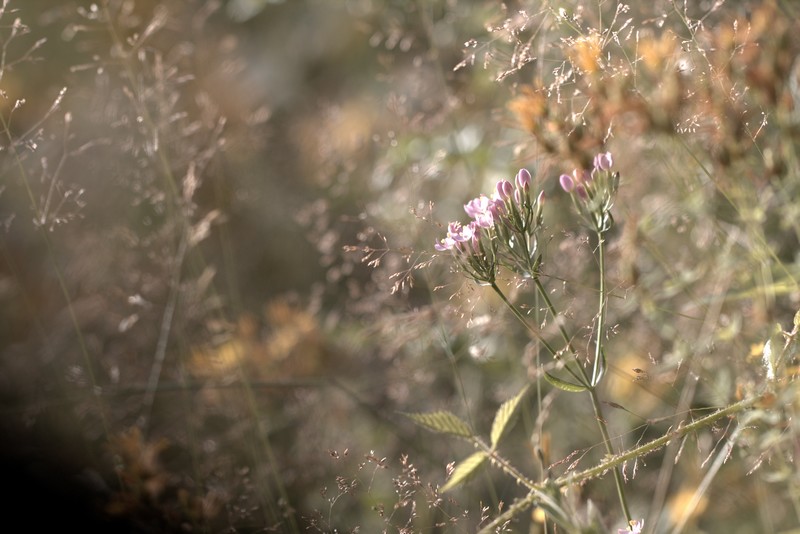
505	416
443	422
563	384
465	470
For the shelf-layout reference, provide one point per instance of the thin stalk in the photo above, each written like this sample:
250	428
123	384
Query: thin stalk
597	373
518	314
62	283
164	333
580	377
601	423
601	314
554	313
263	447
596	406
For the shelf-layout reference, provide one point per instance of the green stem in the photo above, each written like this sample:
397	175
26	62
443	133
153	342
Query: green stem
554	313
581	375
518	314
601	423
597	369
596	406
538	491
657	443
581	378
505	466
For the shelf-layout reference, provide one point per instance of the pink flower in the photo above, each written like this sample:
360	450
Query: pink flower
459	233
603	161
504	189
567	183
581	176
443	244
482	210
485	220
497	206
476	243
523	179
476	206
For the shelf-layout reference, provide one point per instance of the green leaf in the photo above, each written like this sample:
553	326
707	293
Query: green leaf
465	470
601	369
563	384
444	422
505	414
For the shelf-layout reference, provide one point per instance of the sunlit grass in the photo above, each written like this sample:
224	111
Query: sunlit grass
218	267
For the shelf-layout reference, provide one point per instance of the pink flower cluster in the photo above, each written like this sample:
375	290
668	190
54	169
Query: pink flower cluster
579	179
484	212
593	192
458	236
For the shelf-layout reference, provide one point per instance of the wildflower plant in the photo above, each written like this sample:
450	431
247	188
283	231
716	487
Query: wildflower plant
702	100
505	233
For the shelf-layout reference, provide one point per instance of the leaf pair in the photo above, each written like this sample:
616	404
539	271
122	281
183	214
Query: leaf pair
448	423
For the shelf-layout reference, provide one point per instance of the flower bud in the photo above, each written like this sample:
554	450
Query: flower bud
567	183
603	161
581	176
539	207
523	179
504	189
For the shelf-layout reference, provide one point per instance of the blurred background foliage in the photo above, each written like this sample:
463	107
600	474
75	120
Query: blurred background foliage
218	285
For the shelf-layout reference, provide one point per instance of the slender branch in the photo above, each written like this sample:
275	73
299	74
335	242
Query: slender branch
601	423
523	320
554	313
583	379
62	283
657	443
617	460
597	371
164	333
580	377
596	406
505	465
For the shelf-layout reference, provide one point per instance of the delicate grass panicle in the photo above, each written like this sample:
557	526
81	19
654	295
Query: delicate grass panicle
227	304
